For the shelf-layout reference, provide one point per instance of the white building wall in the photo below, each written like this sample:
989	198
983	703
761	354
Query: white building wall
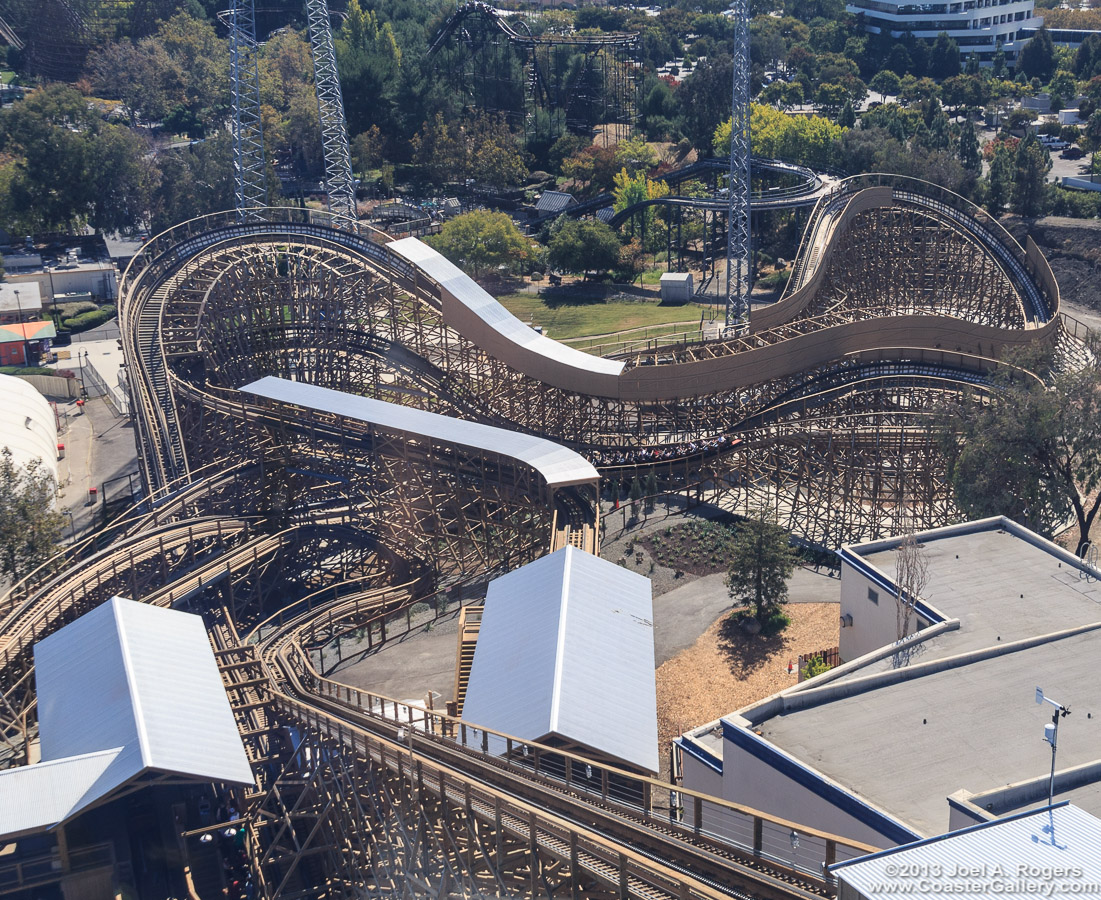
977	26
98	279
873	623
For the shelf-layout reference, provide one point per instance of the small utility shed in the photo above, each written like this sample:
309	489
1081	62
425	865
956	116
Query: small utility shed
1053	852
565	656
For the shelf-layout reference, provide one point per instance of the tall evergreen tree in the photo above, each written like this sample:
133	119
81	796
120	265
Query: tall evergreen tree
969	148
1037	58
1030	180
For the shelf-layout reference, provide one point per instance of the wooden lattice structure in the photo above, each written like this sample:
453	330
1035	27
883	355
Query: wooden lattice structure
291	528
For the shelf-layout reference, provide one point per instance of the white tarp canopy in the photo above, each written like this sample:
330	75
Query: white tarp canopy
566	650
28	426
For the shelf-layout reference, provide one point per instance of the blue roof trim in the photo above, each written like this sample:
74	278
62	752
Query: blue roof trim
870	572
698	753
817	785
925	842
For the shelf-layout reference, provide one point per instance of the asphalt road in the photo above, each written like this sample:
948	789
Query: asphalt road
105	332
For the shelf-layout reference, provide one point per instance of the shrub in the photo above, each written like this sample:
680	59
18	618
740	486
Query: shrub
816	665
88	320
775	623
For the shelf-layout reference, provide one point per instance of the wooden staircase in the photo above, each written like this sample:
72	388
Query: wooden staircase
470	621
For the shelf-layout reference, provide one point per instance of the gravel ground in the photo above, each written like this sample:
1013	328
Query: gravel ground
717	676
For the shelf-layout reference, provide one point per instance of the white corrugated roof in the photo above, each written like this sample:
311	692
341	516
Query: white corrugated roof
1016	858
566	648
558	465
28	426
125	690
34	798
467	291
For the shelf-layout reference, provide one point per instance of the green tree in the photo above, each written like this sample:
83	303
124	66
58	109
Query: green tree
1033	452
1033	162
944	57
969	148
193	181
588	246
761	562
705	102
1063	89
493	153
1037	58
999	183
885	82
847	117
811	140
30	526
367	150
480	240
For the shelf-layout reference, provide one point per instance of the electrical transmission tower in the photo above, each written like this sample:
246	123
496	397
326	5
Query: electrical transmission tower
334	132
738	271
249	164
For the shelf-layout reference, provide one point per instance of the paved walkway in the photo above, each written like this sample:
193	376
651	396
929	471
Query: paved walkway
99	449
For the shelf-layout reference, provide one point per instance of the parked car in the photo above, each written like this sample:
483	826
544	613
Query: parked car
1073	153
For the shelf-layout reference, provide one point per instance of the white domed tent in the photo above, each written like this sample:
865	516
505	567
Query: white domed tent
28	426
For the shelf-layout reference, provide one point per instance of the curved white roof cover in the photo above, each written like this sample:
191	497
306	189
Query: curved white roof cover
27	424
467	291
566	649
558	465
124	691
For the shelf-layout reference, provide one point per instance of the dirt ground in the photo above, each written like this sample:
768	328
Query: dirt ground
723	672
720	673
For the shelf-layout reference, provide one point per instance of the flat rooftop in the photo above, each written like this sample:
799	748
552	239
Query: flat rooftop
962	715
1000	586
907	746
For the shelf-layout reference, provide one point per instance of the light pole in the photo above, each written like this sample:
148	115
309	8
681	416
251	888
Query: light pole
80	362
1051	735
22	327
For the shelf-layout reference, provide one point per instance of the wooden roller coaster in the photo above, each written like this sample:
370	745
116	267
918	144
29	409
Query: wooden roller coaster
299	533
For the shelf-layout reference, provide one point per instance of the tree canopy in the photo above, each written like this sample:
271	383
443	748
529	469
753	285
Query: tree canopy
30	526
482	240
811	140
1032	452
583	246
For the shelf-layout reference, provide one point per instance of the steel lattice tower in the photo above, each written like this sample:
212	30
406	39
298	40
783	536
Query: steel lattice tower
738	243
249	164
330	104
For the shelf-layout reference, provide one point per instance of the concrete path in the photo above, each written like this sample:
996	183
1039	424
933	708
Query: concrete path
99	448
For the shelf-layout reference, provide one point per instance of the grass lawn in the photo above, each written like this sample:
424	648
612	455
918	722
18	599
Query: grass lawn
565	316
7	76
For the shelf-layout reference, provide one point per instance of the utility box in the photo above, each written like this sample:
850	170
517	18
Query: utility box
676	287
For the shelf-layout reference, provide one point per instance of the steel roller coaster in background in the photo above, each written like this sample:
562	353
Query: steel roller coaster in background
496	63
290	527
